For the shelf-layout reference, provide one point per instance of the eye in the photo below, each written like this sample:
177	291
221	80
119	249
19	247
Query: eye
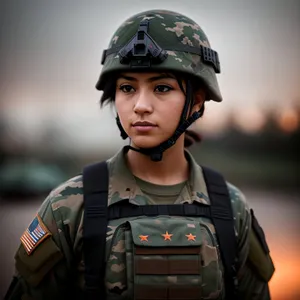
126	88
163	88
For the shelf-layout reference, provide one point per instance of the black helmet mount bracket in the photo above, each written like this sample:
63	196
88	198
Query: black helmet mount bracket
142	51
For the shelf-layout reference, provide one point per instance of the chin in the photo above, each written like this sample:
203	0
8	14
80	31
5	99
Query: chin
145	142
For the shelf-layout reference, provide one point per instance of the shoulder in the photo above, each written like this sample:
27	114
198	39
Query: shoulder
66	200
63	206
240	208
237	197
71	187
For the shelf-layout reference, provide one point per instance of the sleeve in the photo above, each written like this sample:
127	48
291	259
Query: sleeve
254	264
44	261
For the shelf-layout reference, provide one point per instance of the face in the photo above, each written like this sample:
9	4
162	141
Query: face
149	106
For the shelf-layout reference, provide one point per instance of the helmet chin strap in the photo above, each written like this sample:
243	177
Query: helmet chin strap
156	153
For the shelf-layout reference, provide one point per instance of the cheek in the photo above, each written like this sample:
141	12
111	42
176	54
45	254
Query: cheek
173	110
123	110
172	117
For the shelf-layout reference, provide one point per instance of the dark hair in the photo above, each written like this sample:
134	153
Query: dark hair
191	137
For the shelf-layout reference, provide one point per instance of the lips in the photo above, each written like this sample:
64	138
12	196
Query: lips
143	124
143	127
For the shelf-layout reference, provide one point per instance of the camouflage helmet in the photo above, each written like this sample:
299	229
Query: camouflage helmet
176	43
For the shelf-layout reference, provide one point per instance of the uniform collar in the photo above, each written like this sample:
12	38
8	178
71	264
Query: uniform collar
123	186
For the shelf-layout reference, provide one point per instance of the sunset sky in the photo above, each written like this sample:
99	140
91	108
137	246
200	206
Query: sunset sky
51	50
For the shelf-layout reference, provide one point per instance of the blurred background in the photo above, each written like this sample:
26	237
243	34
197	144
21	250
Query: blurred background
51	124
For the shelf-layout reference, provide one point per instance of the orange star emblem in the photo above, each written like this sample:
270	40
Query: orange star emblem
190	237
143	238
167	236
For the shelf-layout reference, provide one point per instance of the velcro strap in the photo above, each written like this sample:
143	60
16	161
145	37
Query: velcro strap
166	250
179	292
167	267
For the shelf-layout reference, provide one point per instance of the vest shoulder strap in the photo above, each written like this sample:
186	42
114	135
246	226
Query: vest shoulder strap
95	188
222	218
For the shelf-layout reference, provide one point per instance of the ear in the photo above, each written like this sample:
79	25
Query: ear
199	99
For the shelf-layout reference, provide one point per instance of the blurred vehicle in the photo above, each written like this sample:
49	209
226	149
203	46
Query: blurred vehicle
28	178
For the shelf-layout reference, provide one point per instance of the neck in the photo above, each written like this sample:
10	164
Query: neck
172	169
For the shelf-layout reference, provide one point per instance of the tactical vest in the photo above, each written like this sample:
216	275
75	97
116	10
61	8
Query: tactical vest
164	246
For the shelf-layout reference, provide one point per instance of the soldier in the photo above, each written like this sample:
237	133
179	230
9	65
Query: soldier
149	223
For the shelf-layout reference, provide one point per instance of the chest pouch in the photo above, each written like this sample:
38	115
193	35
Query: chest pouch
164	258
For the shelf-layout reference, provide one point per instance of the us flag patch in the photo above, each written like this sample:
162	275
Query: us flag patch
34	234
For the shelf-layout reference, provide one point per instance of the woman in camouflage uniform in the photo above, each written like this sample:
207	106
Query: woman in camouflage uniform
158	71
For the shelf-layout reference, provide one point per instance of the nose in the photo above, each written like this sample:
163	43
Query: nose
143	103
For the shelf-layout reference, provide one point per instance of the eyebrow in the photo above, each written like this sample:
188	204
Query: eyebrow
163	76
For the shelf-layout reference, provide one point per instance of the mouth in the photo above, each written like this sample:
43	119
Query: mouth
143	126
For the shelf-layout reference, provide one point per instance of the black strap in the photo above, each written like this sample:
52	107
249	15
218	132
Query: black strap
95	186
220	210
125	209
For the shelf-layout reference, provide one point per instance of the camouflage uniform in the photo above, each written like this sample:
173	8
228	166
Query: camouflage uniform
46	270
49	261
